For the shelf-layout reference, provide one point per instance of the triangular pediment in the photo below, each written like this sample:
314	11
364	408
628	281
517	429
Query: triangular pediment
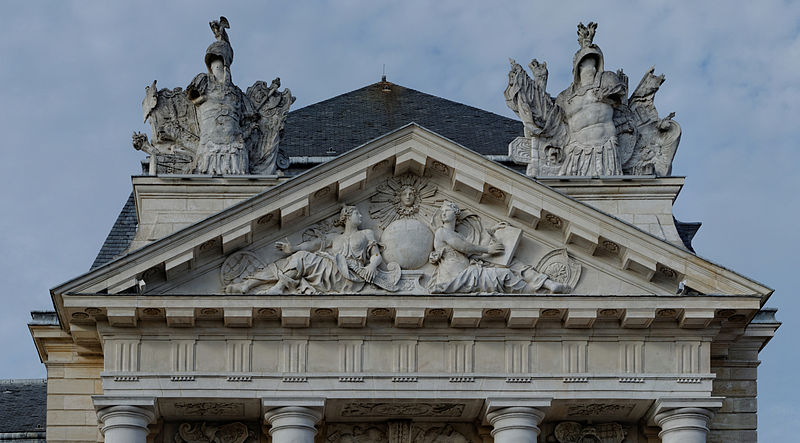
548	234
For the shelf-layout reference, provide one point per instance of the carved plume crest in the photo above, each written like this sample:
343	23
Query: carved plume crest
586	34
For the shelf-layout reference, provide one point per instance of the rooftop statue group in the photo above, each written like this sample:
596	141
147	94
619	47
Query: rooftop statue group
213	127
355	259
592	128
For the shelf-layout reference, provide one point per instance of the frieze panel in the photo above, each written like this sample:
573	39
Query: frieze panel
573	432
370	409
214	433
401	431
205	409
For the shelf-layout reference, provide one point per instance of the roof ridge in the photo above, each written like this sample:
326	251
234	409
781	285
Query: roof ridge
22	381
407	89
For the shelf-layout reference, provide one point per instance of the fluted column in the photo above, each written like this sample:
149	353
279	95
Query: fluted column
125	424
293	424
684	425
515	424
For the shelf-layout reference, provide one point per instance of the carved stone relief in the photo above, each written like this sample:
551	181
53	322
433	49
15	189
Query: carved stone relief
213	433
399	432
593	127
202	409
560	267
338	256
573	432
369	409
325	262
213	127
465	265
403	205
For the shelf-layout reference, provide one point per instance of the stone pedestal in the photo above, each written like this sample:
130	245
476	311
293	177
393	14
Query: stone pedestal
293	424
684	425
515	424
125	424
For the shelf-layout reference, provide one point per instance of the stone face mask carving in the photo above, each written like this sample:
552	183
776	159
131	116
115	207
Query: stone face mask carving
592	128
213	127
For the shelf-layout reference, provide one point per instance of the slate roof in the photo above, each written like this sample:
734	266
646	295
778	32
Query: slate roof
23	406
352	119
121	235
687	231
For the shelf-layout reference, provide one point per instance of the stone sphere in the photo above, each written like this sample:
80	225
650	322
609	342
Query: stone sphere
408	242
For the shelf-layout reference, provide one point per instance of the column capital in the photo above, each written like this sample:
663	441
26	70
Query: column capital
689	425
519	424
493	404
663	405
294	424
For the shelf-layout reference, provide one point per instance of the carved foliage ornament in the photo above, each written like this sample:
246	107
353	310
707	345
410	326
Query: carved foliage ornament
396	432
571	136
213	127
367	409
213	433
573	432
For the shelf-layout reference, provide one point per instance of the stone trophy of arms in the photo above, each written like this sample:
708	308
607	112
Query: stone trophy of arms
592	128
213	127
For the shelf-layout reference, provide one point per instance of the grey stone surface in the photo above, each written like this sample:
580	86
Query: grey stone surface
592	128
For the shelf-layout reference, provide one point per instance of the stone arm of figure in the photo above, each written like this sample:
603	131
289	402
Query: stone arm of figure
375	258
612	87
196	91
457	242
286	246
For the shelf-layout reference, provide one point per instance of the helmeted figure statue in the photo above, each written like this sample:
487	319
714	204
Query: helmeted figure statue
213	127
591	128
221	109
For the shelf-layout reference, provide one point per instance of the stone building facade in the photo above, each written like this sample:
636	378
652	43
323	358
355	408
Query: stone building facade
408	269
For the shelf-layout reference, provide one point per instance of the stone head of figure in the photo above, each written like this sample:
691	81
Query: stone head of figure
587	70
217	69
450	211
220	52
349	214
408	195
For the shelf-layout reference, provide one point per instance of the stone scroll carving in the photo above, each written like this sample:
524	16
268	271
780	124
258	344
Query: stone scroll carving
465	265
573	432
213	433
212	127
560	267
325	262
371	409
593	127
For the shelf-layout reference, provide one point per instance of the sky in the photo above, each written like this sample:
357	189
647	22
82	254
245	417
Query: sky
73	73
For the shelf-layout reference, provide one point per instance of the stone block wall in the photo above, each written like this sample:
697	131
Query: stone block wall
736	379
71	382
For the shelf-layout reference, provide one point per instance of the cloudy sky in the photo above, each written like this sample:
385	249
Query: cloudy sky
73	73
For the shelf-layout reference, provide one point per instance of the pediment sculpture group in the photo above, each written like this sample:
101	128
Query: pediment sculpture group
592	128
345	257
